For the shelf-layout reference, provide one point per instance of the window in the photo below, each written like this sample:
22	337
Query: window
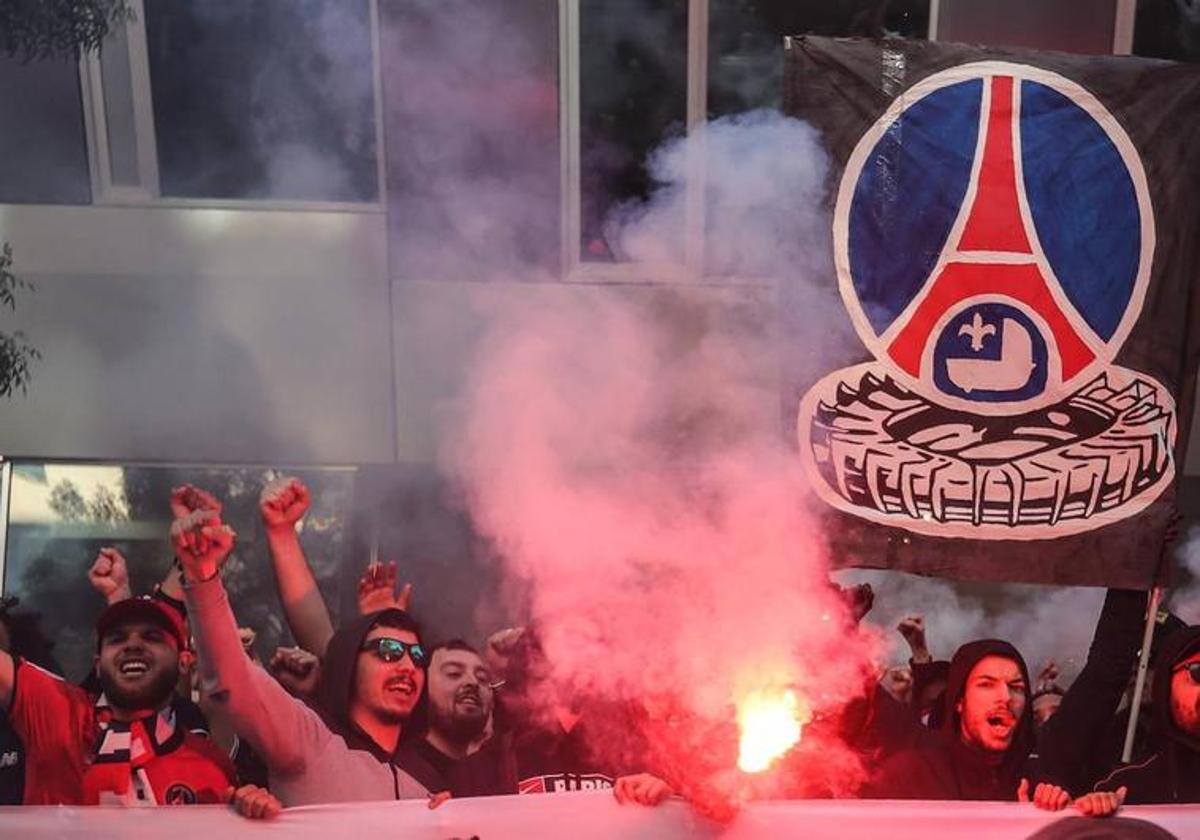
637	72
267	100
61	515
43	155
1167	29
632	94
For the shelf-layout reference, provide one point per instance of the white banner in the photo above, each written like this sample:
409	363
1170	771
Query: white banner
578	816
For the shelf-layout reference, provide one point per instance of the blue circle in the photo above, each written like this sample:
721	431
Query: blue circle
912	186
987	344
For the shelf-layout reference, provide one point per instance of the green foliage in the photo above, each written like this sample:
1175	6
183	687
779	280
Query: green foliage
16	353
36	29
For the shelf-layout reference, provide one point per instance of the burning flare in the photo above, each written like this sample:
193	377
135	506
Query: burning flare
770	723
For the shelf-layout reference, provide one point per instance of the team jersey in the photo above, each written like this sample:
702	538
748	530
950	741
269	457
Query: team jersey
76	754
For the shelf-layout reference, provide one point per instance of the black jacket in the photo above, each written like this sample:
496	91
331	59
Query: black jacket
1172	773
941	765
1075	746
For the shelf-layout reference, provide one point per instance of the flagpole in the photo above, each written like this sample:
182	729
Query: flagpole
1143	665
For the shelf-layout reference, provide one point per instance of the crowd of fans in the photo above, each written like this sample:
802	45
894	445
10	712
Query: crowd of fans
178	710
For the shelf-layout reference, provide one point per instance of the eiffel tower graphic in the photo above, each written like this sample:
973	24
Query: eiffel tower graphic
991	251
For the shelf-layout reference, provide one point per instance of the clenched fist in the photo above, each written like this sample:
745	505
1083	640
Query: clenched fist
283	502
297	670
109	576
202	543
190	498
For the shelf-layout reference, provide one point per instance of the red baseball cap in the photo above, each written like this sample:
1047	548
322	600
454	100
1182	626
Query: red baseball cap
144	608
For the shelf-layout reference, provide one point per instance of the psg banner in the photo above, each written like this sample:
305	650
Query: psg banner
1016	238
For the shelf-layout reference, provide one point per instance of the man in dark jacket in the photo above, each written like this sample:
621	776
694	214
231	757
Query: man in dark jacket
457	752
1172	773
981	749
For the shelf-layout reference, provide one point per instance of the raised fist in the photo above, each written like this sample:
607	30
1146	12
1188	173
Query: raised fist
297	670
283	502
500	647
912	628
109	576
202	543
190	498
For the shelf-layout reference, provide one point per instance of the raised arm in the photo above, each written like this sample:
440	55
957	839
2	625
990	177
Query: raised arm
259	709
282	504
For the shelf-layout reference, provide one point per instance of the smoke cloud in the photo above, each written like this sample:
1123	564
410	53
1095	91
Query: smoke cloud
622	448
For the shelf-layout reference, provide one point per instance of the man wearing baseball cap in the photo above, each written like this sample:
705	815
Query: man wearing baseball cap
122	746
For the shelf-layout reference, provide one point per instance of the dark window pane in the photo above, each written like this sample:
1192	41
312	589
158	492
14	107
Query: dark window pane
633	93
270	100
63	514
1079	26
745	46
1167	29
43	150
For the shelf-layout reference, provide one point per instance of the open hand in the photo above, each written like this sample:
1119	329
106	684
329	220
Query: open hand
377	590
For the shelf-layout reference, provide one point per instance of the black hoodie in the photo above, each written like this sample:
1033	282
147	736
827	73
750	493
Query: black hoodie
1172	773
336	688
941	765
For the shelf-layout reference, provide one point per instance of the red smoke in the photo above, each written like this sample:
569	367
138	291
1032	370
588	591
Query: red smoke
623	450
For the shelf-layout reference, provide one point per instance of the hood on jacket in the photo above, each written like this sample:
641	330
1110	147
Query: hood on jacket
336	688
1175	648
965	659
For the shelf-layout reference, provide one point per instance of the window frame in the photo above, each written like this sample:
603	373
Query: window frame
148	192
574	267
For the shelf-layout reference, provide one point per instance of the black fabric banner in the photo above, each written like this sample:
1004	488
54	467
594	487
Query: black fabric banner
1015	238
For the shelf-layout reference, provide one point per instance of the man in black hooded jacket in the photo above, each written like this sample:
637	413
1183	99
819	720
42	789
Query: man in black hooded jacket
982	747
1172	773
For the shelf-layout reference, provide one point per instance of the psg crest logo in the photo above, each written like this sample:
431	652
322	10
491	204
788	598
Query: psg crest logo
993	236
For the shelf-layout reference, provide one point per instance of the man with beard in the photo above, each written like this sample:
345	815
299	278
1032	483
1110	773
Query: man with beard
372	680
982	750
123	746
458	752
1172	773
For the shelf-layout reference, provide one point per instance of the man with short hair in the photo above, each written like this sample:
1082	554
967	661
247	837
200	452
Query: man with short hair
371	683
457	752
123	746
985	738
1172	773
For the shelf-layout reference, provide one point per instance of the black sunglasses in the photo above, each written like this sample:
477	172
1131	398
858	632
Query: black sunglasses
393	650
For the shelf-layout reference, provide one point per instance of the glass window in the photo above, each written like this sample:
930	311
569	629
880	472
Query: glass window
1167	29
633	94
1078	26
61	515
745	46
43	150
266	100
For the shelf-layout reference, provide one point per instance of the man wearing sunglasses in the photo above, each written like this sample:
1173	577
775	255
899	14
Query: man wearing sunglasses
1172	773
372	682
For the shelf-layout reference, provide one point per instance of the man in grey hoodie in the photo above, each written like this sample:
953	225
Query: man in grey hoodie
372	681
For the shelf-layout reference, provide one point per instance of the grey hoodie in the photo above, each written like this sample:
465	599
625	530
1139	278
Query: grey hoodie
307	762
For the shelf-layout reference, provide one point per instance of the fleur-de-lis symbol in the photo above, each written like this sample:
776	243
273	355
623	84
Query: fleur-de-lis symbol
978	331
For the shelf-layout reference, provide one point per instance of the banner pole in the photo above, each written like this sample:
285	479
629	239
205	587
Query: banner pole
1143	666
